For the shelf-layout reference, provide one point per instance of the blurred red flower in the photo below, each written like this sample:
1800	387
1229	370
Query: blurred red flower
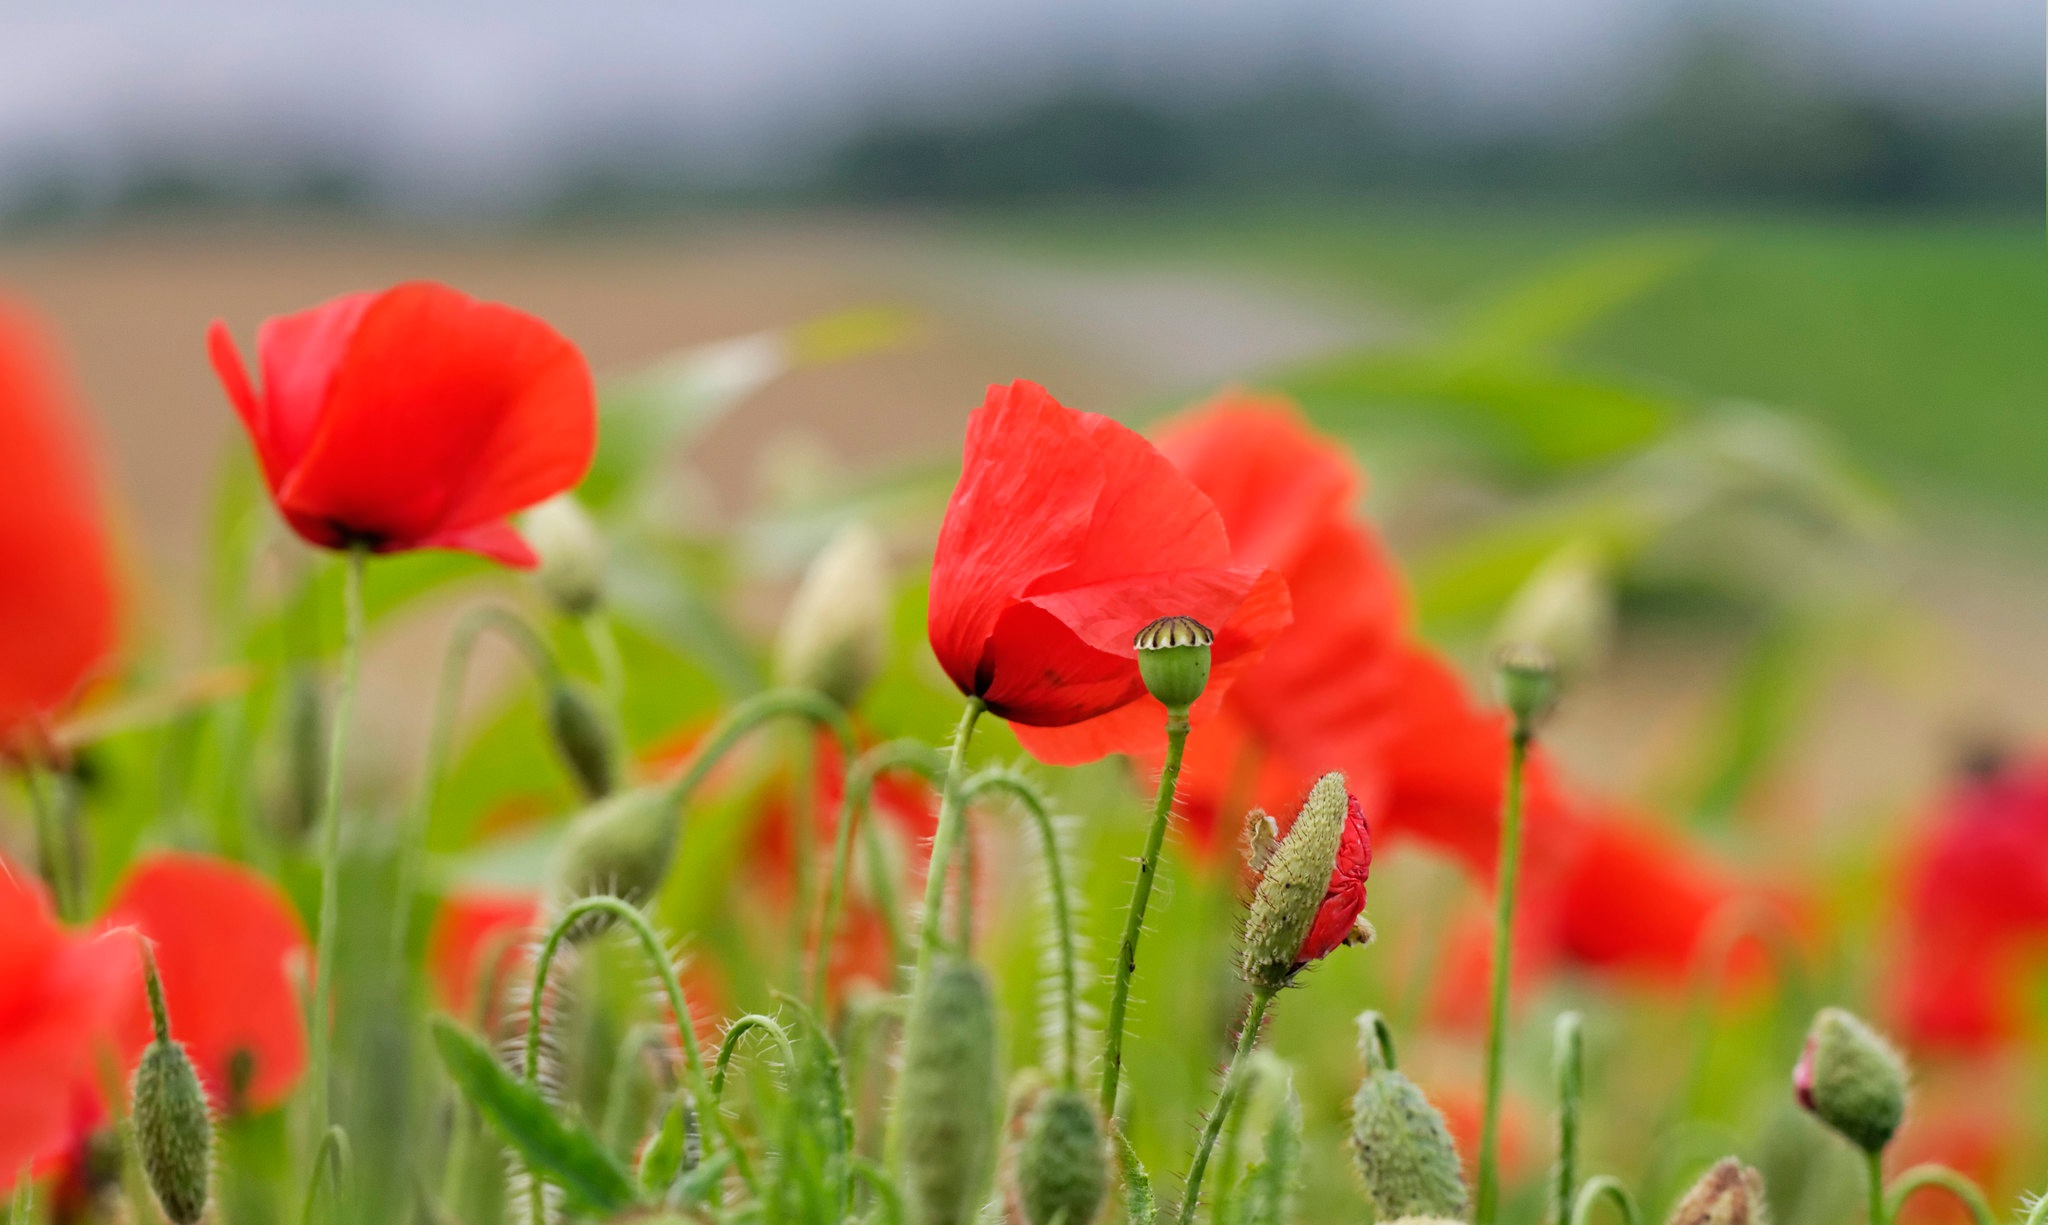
57	590
479	936
1344	898
61	996
1976	909
414	418
231	951
1066	535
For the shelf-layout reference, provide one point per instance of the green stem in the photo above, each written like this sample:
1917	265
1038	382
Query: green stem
1568	1046
611	666
1609	1187
53	842
1019	788
947	834
1934	1174
320	1024
743	718
1873	1166
2037	1212
1506	870
1134	920
448	695
1226	1098
330	1167
911	755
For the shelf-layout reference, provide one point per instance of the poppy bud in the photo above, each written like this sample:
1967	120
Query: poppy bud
1729	1194
1290	892
1173	659
1527	678
620	845
948	1095
1402	1148
1566	607
1063	1163
572	554
1851	1079
173	1132
583	738
835	637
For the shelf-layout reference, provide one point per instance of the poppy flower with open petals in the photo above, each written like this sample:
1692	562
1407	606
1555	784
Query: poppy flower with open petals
1066	535
57	605
229	948
60	998
415	418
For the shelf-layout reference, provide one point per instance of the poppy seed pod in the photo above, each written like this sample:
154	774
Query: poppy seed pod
1063	1163
1851	1079
1729	1194
173	1132
1527	677
948	1095
620	845
572	553
835	637
1173	659
584	739
1290	892
1403	1149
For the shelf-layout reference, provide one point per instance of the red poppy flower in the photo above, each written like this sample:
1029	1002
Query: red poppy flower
1066	535
57	606
478	935
415	418
231	952
60	999
1344	898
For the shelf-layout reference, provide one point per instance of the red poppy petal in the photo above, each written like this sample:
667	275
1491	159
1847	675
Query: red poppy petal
1108	615
1046	675
500	542
1273	480
446	413
1150	517
301	355
234	379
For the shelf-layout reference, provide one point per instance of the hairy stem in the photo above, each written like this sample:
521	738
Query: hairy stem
1568	1054
1968	1193
1507	869
1226	1099
862	772
1604	1186
1019	788
1134	920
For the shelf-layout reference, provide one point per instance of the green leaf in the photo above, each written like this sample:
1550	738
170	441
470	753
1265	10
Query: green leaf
1139	1206
565	1155
1542	313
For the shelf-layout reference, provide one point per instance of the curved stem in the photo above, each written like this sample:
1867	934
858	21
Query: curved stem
330	1165
1933	1174
1134	920
943	840
1568	1056
911	755
1506	871
743	718
1609	1187
448	695
321	1023
835	1081
1226	1098
730	1046
1019	788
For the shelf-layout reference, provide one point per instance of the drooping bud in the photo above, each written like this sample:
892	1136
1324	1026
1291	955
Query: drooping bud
583	737
1173	659
949	1097
835	637
1527	678
1063	1162
1292	889
1729	1194
1851	1079
1403	1149
1565	608
572	554
620	845
173	1132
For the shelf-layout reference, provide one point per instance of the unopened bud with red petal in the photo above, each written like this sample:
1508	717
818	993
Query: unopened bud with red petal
1729	1194
1851	1079
1173	659
1311	895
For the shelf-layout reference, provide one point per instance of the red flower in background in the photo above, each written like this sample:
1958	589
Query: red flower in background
479	935
1344	898
1976	907
415	418
60	998
231	951
57	592
1066	535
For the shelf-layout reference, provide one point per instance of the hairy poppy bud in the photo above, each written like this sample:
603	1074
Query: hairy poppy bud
1063	1163
1528	685
948	1095
173	1132
1314	879
835	637
1851	1079
1403	1150
1729	1194
572	554
1173	659
584	739
620	845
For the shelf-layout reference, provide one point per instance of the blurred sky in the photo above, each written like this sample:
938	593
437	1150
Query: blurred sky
465	104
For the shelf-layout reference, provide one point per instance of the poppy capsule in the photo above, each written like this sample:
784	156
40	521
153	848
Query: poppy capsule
415	418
